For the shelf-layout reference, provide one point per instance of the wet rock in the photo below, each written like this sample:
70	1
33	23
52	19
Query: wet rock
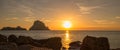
93	43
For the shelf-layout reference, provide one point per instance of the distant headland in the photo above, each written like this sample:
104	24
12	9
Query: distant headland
37	25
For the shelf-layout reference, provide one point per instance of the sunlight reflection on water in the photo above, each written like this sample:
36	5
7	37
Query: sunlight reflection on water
66	40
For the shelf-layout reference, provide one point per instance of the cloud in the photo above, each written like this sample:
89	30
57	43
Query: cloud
104	22
87	9
29	19
13	18
117	17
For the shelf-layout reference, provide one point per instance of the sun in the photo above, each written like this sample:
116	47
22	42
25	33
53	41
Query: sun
67	24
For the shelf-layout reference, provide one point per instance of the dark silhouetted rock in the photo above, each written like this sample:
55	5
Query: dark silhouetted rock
116	49
8	46
24	40
3	38
50	43
54	43
12	38
93	43
38	25
75	43
12	28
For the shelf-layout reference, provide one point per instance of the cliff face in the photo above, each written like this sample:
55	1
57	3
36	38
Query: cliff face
93	43
38	25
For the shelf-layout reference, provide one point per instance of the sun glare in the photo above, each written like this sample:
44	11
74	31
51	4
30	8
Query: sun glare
67	24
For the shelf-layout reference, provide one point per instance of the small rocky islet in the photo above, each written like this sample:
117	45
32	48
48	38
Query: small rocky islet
37	25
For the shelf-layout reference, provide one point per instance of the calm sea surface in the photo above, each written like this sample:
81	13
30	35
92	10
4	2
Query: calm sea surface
69	36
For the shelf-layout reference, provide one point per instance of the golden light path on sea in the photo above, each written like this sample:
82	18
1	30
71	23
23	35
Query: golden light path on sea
66	40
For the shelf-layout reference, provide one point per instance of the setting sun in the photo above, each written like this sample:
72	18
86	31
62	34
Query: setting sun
67	24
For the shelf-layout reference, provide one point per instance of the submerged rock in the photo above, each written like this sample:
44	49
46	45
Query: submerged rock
93	43
39	25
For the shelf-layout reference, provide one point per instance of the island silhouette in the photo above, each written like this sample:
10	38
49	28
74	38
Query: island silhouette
37	25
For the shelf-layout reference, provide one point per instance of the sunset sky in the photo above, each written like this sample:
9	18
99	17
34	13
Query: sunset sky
83	14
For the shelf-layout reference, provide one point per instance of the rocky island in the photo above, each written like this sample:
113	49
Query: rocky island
13	28
39	25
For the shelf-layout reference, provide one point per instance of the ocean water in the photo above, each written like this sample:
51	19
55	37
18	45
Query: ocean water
69	36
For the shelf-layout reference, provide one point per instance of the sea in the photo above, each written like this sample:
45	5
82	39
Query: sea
69	36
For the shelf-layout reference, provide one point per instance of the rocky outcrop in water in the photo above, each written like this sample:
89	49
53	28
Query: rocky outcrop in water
93	43
39	25
13	28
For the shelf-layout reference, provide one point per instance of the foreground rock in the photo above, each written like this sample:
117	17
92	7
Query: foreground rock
13	28
8	46
28	43
3	38
38	25
93	43
54	43
75	45
116	49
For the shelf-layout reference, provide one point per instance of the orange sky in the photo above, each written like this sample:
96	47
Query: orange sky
84	15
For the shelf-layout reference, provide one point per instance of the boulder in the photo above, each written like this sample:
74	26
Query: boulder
54	43
75	43
24	40
12	38
38	25
93	43
3	38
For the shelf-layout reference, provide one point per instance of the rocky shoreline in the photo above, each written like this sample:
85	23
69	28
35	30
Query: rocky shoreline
55	43
27	43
